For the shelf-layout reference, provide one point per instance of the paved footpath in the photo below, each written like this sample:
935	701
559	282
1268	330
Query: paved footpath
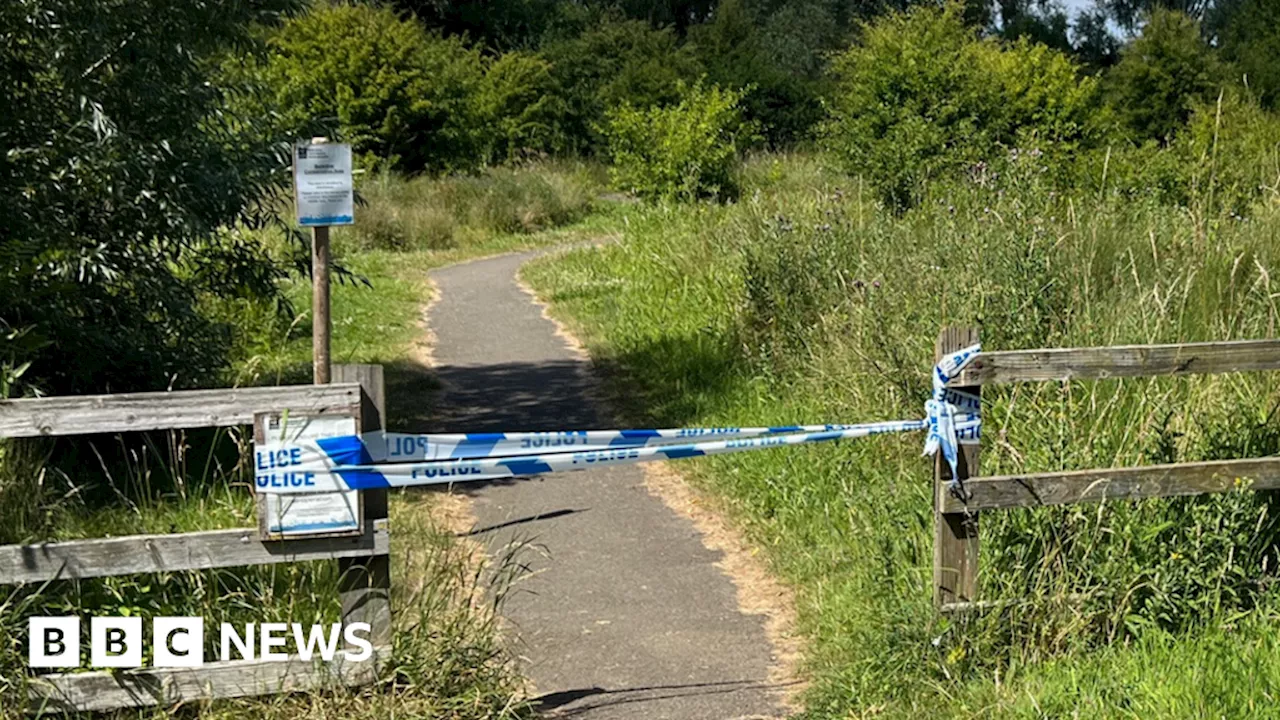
627	615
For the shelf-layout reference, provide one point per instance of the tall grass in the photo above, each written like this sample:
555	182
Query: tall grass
440	213
448	662
810	303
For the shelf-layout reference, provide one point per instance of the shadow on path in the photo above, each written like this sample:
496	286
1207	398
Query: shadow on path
555	705
522	396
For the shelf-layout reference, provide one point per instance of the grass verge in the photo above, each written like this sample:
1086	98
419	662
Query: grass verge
448	662
809	303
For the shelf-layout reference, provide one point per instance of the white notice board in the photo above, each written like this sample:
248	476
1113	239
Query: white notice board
322	187
283	516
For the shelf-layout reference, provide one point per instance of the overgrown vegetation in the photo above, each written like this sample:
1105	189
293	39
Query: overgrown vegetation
443	213
999	164
809	302
686	151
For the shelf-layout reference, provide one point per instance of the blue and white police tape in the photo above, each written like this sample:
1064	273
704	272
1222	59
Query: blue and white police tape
381	460
382	447
404	447
305	477
941	411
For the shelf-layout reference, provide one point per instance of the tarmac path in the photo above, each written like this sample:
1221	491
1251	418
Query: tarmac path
626	614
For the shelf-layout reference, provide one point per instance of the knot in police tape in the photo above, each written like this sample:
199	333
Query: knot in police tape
301	460
953	416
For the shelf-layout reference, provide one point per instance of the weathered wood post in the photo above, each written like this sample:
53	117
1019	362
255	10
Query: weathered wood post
365	582
955	535
322	326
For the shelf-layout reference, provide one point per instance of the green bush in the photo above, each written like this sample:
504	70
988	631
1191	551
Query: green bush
1224	160
1231	149
1161	75
684	151
921	97
521	102
617	62
780	94
1249	37
397	92
121	164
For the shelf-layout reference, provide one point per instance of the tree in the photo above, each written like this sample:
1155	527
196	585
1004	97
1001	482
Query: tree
1161	75
782	101
522	103
923	97
1132	14
499	24
616	62
122	165
396	91
1037	20
1248	35
1095	47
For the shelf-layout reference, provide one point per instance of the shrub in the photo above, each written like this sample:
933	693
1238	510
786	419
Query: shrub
617	62
1161	75
922	97
780	94
397	92
1224	159
521	102
1231	149
1250	38
684	151
438	213
120	165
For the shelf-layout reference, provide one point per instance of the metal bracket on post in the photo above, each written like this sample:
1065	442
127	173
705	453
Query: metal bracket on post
955	535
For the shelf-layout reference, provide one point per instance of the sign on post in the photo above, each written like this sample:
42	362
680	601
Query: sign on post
323	189
323	195
283	517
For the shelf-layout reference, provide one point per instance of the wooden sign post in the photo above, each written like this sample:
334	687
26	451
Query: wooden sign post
321	324
324	195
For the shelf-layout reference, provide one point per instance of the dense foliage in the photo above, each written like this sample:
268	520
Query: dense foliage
122	170
1161	75
810	302
923	97
684	151
397	92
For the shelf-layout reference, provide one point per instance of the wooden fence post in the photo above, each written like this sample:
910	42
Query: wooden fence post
955	535
365	583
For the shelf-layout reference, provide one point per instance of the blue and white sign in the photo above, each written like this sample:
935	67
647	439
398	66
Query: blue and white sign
323	190
310	507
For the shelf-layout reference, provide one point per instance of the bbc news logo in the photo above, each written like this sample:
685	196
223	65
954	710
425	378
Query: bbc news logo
178	642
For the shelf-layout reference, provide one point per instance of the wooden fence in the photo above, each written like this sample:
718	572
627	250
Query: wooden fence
955	566
363	560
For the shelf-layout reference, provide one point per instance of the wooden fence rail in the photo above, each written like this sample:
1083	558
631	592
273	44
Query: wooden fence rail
88	414
956	585
364	562
1123	361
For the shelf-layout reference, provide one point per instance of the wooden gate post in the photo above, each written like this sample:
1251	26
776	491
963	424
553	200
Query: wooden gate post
955	535
365	582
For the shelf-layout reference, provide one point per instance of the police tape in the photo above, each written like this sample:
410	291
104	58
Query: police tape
386	460
294	474
406	447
